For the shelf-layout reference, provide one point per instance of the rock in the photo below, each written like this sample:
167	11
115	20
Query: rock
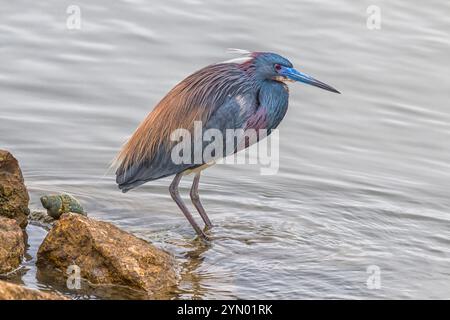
10	291
13	193
57	204
12	245
106	255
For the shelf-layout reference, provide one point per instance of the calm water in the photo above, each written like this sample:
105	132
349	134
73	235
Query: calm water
364	177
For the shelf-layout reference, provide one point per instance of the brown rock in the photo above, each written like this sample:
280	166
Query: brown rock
13	193
9	291
106	255
12	245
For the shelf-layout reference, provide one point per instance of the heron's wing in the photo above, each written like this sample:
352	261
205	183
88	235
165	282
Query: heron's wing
231	114
195	98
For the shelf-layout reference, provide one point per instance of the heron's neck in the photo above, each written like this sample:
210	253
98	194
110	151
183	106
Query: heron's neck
274	98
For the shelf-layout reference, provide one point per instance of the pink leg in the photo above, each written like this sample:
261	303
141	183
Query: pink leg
173	189
196	201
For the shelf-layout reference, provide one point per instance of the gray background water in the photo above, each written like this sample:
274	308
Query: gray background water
364	177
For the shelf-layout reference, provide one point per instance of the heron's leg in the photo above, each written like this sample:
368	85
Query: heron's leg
196	201
173	189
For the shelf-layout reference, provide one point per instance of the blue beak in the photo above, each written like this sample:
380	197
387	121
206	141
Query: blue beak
295	75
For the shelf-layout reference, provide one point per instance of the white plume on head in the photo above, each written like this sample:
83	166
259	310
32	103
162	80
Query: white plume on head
238	51
245	55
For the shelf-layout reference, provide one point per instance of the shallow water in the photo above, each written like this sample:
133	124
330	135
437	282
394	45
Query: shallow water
364	177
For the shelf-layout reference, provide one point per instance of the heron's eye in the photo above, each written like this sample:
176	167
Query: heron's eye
277	67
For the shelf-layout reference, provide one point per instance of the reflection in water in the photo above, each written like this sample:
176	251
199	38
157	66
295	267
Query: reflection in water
191	277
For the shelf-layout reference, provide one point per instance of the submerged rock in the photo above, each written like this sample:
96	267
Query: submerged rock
57	204
42	218
12	245
13	193
106	255
10	291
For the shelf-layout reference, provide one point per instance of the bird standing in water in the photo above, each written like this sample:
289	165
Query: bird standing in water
245	93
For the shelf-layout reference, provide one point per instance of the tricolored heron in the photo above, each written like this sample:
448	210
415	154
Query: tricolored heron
245	93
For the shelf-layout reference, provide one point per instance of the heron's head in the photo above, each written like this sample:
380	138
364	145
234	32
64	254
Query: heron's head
275	67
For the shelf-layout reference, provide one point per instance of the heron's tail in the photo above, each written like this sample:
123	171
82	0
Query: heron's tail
131	175
125	172
126	183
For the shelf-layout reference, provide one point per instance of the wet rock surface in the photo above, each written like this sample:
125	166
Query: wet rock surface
14	197
106	255
12	245
10	291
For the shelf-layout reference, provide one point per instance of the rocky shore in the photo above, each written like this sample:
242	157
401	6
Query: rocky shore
106	255
13	193
12	245
98	252
10	291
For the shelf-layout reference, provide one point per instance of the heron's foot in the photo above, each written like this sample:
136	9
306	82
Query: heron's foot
205	237
209	227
